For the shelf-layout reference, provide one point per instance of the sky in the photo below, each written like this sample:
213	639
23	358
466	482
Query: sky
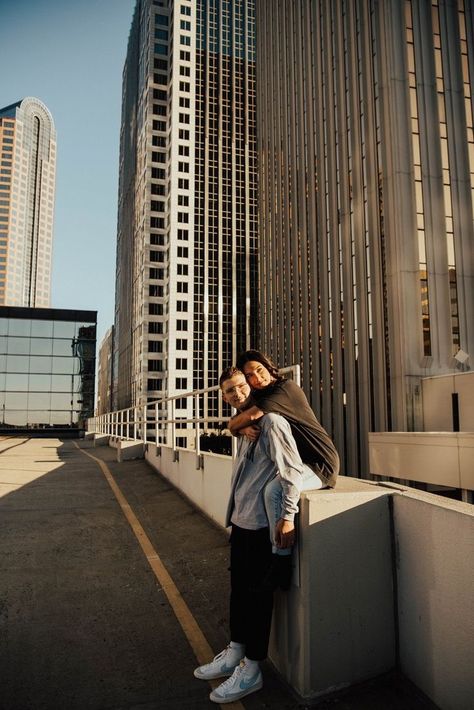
70	55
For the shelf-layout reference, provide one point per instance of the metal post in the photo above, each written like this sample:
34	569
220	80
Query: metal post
135	417
197	429
145	424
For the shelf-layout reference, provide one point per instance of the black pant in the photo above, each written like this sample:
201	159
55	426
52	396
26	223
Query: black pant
250	606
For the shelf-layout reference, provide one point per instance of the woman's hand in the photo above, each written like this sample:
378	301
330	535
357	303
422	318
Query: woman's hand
252	432
284	534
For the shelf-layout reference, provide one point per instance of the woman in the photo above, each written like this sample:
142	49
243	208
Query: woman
272	393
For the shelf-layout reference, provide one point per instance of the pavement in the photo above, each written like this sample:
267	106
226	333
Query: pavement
87	622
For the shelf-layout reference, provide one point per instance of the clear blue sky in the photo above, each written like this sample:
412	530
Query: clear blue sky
70	55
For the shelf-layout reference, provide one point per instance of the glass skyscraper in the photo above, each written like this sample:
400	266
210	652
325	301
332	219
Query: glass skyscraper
186	289
27	186
366	180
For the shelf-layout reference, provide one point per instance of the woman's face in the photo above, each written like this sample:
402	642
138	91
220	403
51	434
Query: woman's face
257	375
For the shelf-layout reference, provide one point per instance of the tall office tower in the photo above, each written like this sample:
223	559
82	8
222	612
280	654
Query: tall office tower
186	284
366	151
27	183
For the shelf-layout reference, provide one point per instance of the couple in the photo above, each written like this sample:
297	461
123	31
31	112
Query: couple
278	431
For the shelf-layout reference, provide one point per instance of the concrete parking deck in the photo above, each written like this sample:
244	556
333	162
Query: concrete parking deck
84	621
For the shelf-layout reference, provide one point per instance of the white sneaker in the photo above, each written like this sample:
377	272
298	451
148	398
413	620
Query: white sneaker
237	686
223	665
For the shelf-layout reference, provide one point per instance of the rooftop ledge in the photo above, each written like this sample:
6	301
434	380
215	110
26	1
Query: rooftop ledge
384	578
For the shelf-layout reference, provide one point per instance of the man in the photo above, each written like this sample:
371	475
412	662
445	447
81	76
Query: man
263	453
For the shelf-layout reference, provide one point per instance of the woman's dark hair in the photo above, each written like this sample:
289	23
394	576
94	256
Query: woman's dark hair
257	356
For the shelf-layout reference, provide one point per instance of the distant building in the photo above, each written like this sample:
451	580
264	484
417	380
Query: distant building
105	373
186	290
366	158
27	185
47	367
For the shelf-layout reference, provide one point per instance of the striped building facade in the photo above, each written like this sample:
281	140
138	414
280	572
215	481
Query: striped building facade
366	180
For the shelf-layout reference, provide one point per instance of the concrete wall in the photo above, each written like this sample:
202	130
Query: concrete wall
442	458
437	404
338	627
361	547
435	572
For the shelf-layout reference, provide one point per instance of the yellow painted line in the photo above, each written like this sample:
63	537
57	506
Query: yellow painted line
188	623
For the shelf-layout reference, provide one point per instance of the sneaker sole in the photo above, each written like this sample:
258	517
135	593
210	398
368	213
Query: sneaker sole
236	696
215	676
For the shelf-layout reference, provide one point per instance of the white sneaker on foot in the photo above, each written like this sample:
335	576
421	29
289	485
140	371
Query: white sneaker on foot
240	684
221	666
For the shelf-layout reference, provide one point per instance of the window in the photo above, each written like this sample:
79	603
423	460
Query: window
161	64
157	206
158	173
185	56
155	366
161	20
157	239
155	328
182	306
158	157
184	102
159	126
161	34
181	383
160	79
155	309
161	49
185	86
157	189
157	223
182	363
184	39
159	110
155	291
183	183
185	71
182	269
184	134
184	118
183	150
183	167
155	346
183	200
155	385
183	217
183	234
157	256
181	344
158	274
181	324
183	252
185	25
185	10
182	287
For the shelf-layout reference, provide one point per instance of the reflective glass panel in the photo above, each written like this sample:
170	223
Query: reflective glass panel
3	344
61	418
40	418
16	400
18	346
63	347
61	401
62	383
13	418
64	329
40	363
19	326
18	363
3	326
16	382
41	346
64	365
40	383
3	363
42	328
39	400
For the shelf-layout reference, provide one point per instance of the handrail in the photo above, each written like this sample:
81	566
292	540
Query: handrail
156	420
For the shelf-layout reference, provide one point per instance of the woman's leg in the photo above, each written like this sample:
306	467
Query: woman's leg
273	495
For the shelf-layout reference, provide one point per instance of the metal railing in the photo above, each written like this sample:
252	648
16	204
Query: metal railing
158	422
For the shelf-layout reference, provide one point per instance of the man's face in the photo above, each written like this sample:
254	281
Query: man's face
235	390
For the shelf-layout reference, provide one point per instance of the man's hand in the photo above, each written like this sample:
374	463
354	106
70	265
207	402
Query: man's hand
252	432
284	534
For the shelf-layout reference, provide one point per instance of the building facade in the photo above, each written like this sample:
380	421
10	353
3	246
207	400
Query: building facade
366	251
27	187
186	289
47	367
105	377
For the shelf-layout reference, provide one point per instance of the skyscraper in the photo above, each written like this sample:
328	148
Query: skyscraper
27	185
366	154
186	288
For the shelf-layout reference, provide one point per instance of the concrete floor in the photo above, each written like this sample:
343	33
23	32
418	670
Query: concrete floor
84	623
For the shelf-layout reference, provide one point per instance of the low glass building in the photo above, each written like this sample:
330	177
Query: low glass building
47	367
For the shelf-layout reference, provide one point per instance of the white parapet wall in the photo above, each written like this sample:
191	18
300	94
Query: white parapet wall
439	457
379	569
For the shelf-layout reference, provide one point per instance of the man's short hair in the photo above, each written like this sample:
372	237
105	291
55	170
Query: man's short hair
228	373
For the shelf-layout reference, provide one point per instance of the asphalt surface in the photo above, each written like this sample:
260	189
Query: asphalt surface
85	623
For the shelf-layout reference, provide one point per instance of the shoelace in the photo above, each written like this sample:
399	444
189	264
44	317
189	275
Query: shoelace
230	681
